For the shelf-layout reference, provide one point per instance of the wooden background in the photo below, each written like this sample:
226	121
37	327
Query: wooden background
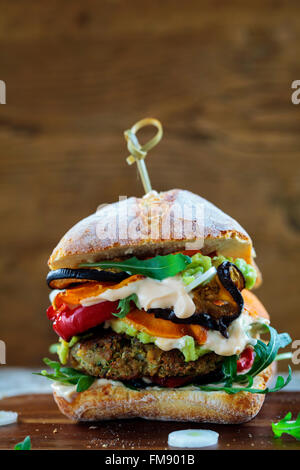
218	75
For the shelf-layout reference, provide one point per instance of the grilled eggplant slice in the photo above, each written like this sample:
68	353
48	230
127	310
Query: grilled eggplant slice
218	303
64	278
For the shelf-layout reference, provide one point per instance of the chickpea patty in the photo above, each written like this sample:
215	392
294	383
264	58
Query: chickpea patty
121	357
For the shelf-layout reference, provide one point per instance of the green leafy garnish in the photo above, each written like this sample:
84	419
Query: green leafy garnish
124	305
84	383
287	426
159	267
283	356
53	349
67	375
24	445
265	354
280	384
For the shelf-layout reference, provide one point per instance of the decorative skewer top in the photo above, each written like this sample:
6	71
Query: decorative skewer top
139	152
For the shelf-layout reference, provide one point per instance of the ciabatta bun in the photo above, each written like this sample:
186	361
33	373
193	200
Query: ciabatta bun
221	233
114	401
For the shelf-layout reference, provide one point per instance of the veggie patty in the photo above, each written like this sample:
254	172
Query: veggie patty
121	357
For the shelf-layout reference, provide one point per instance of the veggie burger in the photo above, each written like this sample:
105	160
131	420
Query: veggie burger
159	325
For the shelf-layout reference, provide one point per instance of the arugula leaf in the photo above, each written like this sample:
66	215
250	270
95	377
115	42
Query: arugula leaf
124	305
52	364
67	375
84	383
53	349
158	267
280	384
24	445
287	426
229	369
265	354
283	356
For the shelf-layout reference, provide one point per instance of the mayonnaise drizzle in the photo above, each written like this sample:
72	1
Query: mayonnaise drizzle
166	344
54	293
68	392
168	293
239	337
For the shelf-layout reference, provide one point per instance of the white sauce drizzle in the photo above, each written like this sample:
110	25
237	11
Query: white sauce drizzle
54	293
238	339
68	392
166	344
171	293
238	331
168	293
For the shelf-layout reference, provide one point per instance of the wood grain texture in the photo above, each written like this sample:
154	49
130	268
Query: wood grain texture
217	74
48	429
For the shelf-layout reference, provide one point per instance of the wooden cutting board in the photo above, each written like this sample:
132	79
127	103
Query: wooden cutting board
49	429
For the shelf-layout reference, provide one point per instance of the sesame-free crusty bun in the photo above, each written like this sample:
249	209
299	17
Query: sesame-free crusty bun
158	223
111	400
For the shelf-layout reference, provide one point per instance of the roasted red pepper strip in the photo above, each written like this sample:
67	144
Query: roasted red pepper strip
70	322
246	359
